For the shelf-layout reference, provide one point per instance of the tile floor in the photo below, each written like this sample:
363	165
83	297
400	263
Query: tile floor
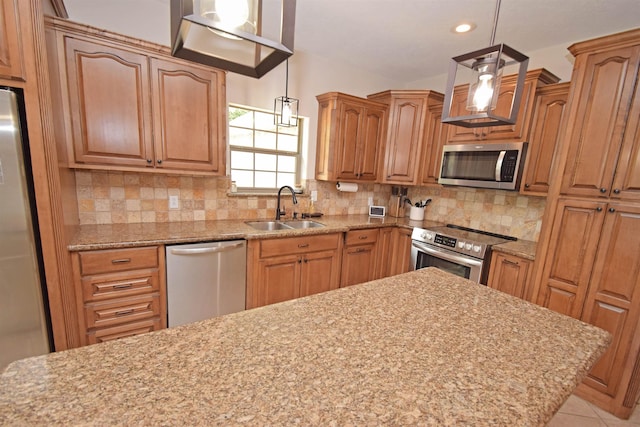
580	413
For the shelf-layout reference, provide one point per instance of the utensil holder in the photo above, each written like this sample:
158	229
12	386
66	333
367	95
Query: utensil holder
416	214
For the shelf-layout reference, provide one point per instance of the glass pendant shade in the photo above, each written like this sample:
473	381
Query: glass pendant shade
286	111
242	36
485	85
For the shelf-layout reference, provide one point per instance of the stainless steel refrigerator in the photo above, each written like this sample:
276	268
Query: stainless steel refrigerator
24	320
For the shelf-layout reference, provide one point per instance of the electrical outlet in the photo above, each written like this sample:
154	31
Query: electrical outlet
314	196
173	202
370	201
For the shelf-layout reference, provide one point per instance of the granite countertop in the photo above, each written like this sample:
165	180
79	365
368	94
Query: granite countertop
523	248
110	236
421	348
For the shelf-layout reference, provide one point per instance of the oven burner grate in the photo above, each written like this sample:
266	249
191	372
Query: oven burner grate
486	233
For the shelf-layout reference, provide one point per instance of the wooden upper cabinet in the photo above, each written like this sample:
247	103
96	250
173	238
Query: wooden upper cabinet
131	106
10	44
602	128
350	137
546	131
109	103
516	132
435	136
187	104
409	116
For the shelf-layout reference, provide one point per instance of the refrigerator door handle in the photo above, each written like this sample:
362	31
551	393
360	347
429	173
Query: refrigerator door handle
195	251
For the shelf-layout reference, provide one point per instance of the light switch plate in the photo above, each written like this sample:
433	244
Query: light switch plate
173	202
314	196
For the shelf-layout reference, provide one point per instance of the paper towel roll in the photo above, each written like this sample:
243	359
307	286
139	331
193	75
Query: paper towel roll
349	187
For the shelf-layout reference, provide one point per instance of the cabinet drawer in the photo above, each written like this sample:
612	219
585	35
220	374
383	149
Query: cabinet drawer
120	285
115	312
296	245
360	237
123	331
108	261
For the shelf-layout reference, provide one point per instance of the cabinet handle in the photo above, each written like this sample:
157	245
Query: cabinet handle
299	260
120	261
124	312
306	260
303	245
612	210
527	186
149	161
508	261
599	209
616	191
159	161
363	237
122	286
603	190
360	250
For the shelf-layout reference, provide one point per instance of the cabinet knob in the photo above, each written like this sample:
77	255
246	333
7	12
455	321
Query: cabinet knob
527	186
149	161
616	191
159	161
603	190
612	210
599	209
299	260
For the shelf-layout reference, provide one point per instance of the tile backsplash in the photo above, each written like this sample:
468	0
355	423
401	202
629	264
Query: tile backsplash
109	197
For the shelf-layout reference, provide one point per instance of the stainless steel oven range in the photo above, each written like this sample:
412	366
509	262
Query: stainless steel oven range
459	250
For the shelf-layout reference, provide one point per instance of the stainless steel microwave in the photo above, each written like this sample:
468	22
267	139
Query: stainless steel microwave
483	165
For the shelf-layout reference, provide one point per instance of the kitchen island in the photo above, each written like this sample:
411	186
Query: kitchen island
421	348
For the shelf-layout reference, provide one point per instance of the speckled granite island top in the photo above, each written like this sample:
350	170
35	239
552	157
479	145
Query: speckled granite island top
422	348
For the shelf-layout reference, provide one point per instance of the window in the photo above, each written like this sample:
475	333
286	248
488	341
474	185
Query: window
264	157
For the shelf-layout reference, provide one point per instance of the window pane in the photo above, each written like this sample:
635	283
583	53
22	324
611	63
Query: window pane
286	179
265	121
288	142
240	137
266	140
291	130
265	180
266	162
240	117
286	164
241	160
242	178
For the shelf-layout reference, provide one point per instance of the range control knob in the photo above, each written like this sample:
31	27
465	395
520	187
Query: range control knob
461	244
423	235
476	248
468	246
429	236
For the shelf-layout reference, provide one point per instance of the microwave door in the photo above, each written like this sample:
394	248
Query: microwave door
499	165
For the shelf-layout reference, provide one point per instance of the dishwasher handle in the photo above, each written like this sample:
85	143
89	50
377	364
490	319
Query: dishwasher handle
195	251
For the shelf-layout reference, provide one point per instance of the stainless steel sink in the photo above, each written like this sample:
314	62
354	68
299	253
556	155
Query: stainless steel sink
303	224
268	225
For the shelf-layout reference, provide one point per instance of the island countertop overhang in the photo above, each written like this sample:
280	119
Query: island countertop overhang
419	348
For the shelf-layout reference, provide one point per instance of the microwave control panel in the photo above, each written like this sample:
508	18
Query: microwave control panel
509	163
444	240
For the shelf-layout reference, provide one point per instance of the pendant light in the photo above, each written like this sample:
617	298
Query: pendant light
285	109
483	70
235	35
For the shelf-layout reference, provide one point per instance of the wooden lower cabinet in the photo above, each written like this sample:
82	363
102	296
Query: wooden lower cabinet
120	292
394	252
292	267
510	274
359	257
592	273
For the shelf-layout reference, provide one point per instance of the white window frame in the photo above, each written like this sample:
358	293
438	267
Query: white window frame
297	154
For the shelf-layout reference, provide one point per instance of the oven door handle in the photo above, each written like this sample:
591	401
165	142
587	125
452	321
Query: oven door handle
447	255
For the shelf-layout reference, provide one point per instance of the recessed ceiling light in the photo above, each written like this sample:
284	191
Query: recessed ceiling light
465	27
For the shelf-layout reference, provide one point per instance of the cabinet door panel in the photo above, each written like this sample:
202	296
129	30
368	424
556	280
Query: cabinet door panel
351	115
435	138
320	272
401	251
404	139
626	184
110	104
574	236
373	131
186	106
279	280
358	265
10	58
595	136
509	274
545	133
613	302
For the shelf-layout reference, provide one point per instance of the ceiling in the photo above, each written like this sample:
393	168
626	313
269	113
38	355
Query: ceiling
405	40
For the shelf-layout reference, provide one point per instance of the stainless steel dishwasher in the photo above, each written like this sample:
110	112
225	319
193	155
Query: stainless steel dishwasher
205	280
